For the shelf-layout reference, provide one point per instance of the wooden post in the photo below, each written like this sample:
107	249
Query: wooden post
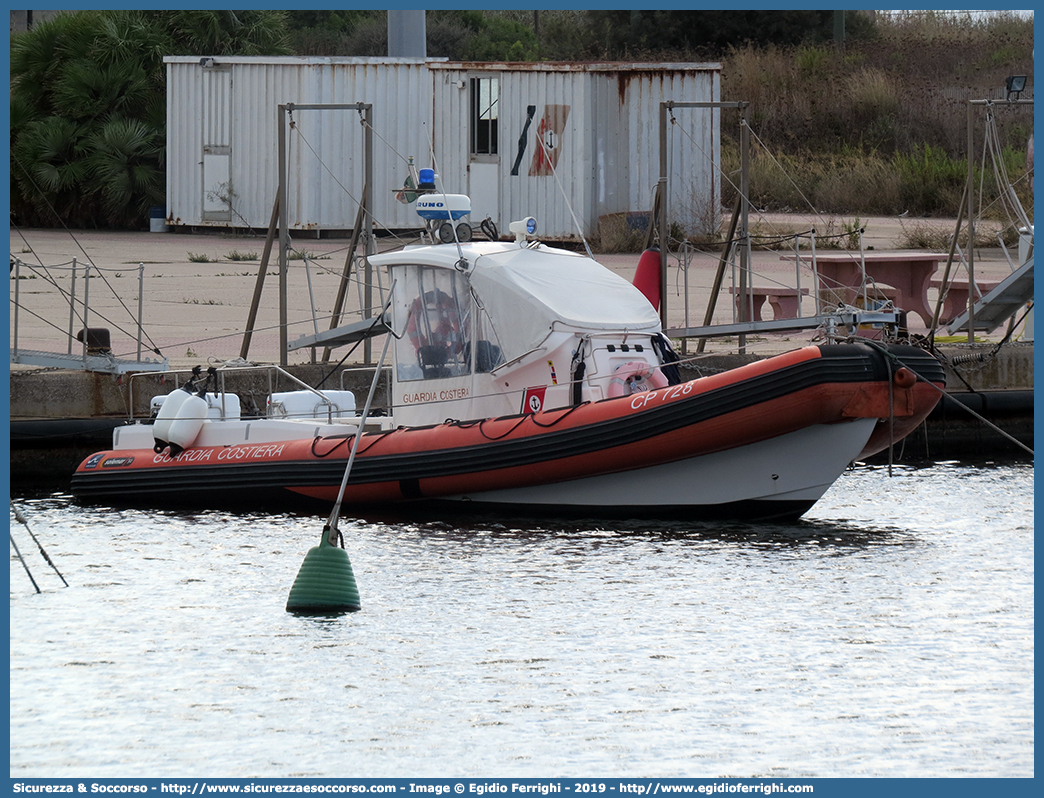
259	283
719	276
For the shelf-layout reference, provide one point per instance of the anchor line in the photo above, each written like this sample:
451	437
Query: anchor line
986	421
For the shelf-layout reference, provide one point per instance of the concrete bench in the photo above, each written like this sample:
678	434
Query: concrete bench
956	301
784	301
841	275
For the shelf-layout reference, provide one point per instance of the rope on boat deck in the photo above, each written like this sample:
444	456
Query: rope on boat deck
480	423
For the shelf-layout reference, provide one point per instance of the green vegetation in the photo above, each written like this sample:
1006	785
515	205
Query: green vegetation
876	126
922	234
879	126
302	254
616	235
457	35
88	107
236	255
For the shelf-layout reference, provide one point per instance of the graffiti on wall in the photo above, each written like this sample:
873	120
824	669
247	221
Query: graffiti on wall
549	140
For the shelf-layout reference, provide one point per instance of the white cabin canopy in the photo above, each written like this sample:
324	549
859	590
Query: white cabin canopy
521	293
528	292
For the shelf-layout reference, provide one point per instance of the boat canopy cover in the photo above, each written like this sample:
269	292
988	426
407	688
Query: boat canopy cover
526	292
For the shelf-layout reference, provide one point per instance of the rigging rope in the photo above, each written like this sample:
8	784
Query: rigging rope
67	295
296	127
894	358
572	213
80	247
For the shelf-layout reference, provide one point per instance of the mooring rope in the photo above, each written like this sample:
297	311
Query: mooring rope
890	356
21	520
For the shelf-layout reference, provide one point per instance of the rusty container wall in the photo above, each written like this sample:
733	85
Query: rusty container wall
626	142
521	179
600	125
555	180
222	128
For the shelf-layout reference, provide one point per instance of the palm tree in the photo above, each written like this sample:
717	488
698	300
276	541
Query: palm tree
125	163
88	106
240	32
47	164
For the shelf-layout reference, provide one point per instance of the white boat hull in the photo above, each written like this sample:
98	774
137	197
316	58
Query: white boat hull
791	470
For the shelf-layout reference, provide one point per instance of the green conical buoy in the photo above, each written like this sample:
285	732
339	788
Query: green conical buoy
325	582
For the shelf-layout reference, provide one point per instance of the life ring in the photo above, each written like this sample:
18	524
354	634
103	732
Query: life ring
435	321
635	377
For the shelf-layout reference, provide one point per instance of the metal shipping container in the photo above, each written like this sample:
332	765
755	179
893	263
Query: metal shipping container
567	143
223	126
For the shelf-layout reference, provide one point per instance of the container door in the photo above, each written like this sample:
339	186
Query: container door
484	148
218	195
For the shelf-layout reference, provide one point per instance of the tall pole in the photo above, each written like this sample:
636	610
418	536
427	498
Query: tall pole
661	192
141	299
369	246
283	201
991	105
17	279
407	33
744	236
971	224
259	283
284	235
662	184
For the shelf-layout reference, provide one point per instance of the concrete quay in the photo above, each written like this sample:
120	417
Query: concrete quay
197	288
197	291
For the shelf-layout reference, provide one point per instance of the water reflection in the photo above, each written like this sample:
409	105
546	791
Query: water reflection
599	533
868	639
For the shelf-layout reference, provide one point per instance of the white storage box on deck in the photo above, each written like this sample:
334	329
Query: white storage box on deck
305	404
214	403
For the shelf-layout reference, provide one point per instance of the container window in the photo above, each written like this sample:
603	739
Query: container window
485	96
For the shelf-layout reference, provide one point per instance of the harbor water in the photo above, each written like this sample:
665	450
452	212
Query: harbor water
887	634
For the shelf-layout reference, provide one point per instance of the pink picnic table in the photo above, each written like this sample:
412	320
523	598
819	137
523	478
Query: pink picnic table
909	273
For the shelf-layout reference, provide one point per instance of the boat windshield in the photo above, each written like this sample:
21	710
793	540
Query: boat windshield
433	309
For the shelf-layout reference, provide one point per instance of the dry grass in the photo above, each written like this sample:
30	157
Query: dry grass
928	235
879	127
615	234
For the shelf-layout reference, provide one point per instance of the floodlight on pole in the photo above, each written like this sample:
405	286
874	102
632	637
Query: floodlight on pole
1015	85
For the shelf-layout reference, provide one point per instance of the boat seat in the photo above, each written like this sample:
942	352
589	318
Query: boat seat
487	356
432	359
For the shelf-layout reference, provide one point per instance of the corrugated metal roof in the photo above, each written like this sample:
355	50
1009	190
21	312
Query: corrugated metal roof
577	66
297	60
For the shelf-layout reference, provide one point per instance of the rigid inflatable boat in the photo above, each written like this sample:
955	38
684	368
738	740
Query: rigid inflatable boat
530	379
